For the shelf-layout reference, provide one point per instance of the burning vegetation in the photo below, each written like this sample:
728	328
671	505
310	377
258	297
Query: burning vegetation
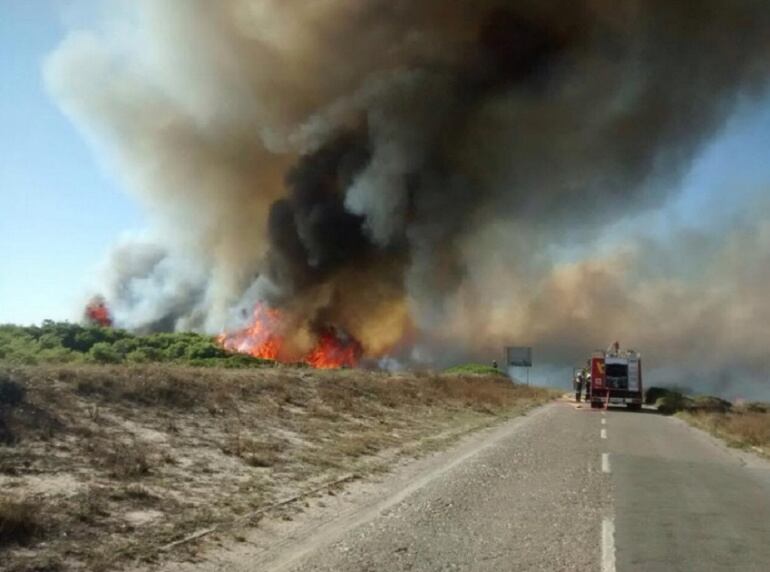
264	338
97	313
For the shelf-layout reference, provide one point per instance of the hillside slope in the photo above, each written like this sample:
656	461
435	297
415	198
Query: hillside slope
104	465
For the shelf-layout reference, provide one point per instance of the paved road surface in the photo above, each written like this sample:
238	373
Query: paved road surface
554	495
683	503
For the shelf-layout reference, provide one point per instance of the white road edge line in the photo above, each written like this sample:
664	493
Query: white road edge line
604	433
608	545
604	421
605	462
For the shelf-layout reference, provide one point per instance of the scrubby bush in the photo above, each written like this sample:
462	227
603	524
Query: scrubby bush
652	394
49	341
177	350
104	353
709	404
205	350
84	341
672	402
474	369
125	346
138	356
57	342
59	355
754	407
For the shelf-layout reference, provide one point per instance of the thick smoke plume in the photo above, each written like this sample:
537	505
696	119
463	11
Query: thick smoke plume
407	170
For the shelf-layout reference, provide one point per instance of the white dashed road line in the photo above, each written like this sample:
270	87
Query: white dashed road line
604	421
608	545
605	462
604	433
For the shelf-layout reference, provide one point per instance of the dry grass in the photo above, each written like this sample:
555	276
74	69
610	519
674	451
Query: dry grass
255	452
126	459
742	426
750	428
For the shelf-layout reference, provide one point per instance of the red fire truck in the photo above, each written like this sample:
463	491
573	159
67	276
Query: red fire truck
616	378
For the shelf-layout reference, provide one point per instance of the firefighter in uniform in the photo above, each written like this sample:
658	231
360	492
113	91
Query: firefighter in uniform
578	386
587	382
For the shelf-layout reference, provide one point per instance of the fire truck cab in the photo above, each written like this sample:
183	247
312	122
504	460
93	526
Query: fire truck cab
616	378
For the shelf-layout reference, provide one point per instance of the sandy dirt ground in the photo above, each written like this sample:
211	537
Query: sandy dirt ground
108	467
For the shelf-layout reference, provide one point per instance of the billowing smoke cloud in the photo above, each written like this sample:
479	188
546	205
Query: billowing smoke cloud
695	304
406	170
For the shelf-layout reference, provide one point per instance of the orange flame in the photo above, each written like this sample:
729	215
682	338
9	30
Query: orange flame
264	339
334	350
261	339
97	312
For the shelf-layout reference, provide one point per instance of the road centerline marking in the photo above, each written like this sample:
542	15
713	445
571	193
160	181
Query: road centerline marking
605	462
608	545
604	421
604	433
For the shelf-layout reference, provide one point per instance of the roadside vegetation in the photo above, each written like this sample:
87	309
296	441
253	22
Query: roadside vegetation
63	342
103	465
744	425
474	369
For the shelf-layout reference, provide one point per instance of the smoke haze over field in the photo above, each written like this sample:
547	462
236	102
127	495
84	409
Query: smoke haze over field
409	171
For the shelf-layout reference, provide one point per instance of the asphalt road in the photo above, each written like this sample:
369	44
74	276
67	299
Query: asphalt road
573	489
533	501
683	502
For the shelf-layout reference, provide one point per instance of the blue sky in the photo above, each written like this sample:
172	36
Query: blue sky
60	210
731	168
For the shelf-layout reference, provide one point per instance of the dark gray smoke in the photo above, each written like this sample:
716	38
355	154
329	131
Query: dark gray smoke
361	163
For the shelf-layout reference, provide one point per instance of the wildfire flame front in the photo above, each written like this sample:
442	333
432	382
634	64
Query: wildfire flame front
263	338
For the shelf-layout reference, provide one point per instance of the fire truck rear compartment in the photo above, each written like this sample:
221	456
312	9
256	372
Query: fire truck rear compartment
616	376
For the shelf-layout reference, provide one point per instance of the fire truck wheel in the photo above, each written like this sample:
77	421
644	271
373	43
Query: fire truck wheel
634	406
